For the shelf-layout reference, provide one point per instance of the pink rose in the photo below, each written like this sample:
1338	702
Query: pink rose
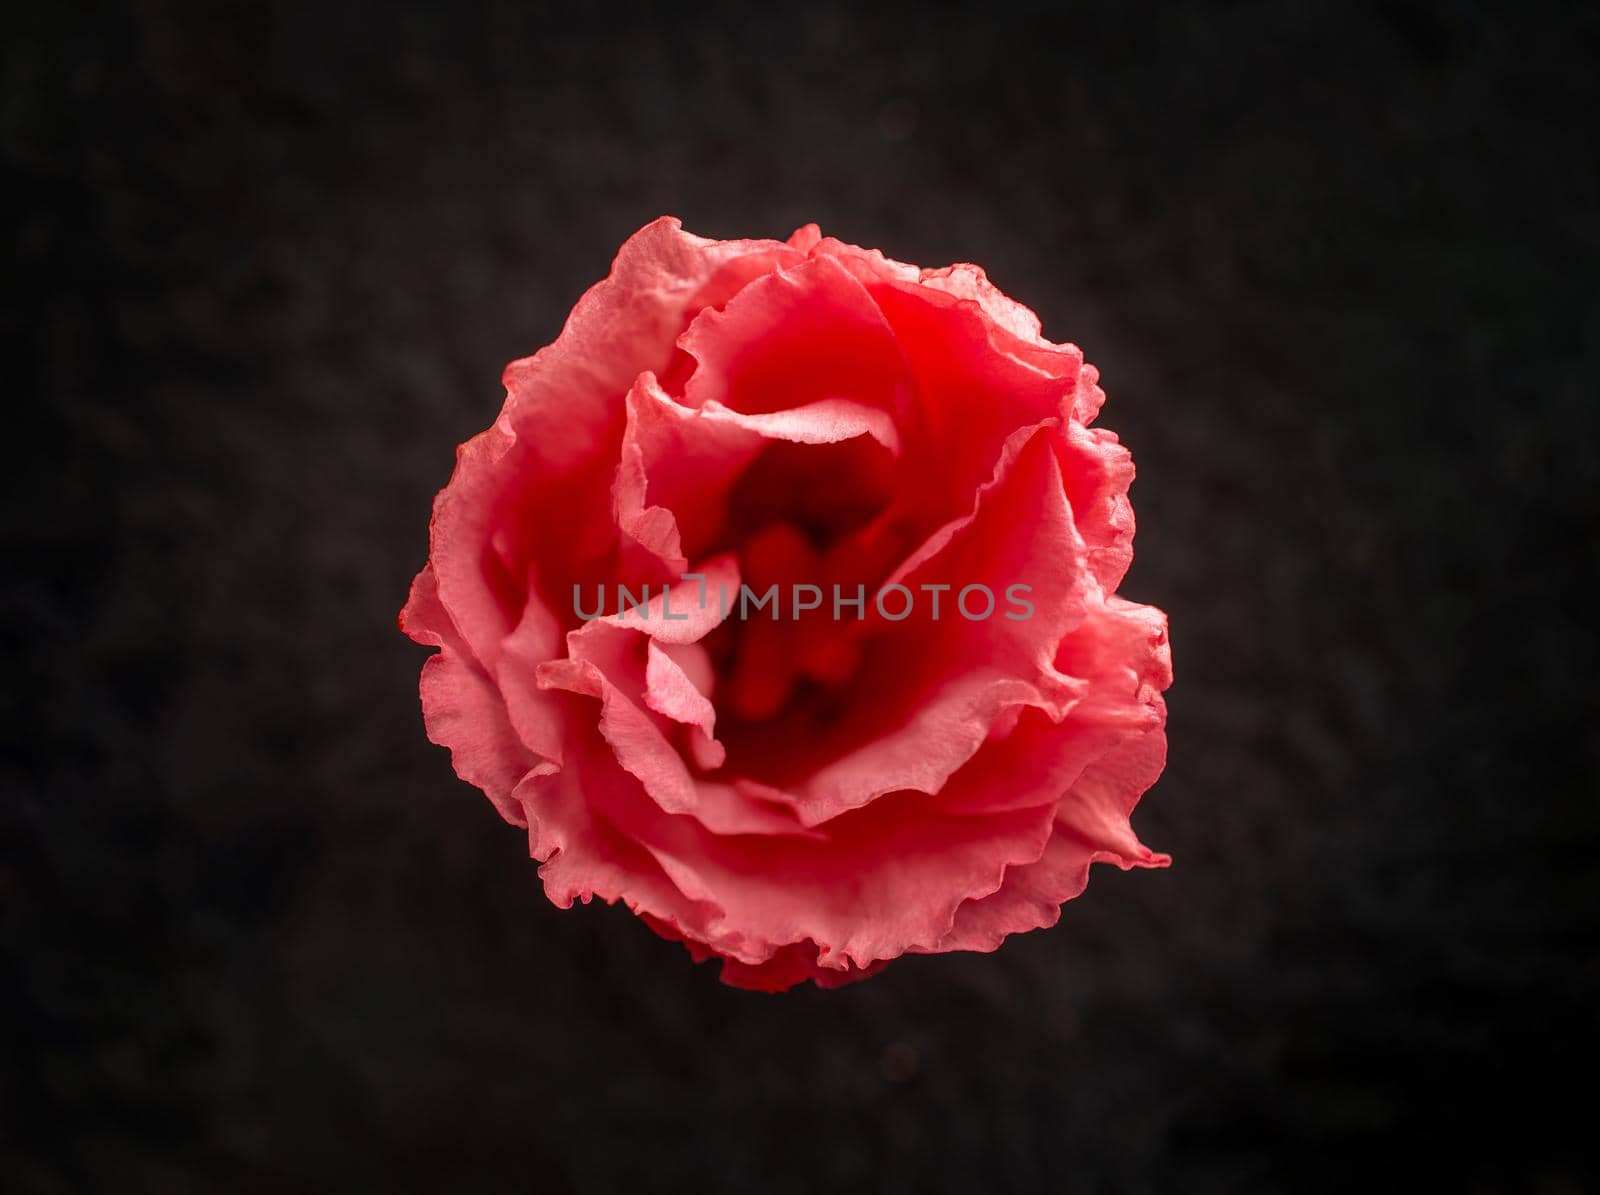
942	714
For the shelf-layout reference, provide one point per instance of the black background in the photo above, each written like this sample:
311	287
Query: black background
1338	266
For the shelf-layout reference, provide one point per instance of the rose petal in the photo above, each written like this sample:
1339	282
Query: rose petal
1119	658
953	678
791	338
552	446
1097	471
463	711
670	692
679	462
1016	332
536	716
858	903
1032	894
644	752
684	612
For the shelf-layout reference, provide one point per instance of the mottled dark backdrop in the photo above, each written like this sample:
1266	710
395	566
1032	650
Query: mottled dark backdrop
263	266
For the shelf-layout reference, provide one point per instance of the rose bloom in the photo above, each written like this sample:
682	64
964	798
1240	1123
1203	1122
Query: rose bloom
801	798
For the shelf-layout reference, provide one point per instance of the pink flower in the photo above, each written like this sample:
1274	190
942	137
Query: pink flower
883	768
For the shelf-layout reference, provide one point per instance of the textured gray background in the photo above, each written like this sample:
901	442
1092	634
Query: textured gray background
1338	267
